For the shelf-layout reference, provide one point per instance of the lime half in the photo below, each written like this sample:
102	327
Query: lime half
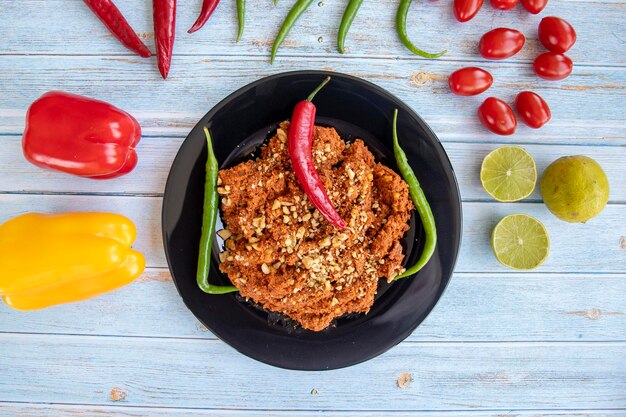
520	242
508	174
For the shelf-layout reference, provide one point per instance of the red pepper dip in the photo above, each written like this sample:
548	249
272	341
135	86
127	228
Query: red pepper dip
282	254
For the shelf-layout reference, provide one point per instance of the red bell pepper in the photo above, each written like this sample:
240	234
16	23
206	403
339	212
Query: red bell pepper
80	136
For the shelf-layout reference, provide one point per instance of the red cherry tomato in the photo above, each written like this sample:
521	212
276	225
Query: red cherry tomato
504	4
501	43
553	66
532	109
497	116
556	34
469	81
534	6
465	10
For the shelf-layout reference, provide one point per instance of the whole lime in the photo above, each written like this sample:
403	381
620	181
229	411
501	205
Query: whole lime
575	188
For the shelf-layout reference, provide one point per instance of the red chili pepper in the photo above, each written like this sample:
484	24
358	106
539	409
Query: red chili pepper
300	138
113	19
80	136
208	6
165	30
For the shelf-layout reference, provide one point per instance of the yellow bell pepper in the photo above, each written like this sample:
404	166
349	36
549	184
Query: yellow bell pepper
50	259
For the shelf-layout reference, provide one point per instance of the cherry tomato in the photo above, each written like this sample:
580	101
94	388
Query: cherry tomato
501	43
556	34
469	81
532	109
534	6
497	116
504	4
553	66
465	10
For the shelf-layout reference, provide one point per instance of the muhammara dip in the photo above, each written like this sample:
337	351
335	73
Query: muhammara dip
282	254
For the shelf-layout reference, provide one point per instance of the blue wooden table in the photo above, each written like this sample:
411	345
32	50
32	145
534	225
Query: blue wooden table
547	342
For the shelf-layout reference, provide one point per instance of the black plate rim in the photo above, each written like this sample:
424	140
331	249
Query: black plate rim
400	105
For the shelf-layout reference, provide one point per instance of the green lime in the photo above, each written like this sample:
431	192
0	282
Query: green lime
508	174
520	242
575	188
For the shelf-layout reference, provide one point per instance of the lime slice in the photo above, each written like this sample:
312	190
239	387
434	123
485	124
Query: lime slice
508	174
520	242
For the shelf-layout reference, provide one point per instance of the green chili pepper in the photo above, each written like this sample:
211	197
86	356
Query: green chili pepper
420	202
296	11
241	14
403	11
346	21
275	2
209	216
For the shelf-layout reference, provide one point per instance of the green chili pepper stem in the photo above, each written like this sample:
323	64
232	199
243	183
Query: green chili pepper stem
241	15
209	215
346	21
275	2
319	87
403	11
419	200
296	11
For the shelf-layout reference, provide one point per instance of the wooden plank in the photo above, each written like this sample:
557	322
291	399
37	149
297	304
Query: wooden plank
500	307
373	33
581	104
594	247
208	374
156	155
52	410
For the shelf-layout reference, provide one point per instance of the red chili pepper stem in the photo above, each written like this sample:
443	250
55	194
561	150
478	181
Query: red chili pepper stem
319	87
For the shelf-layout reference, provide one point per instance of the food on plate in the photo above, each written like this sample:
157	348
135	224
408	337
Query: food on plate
279	250
556	34
465	10
300	145
508	174
80	136
419	200
208	7
113	19
210	207
501	43
497	116
504	4
50	259
401	16
164	15
469	81
534	6
532	109
520	242
575	188
349	14
552	66
294	14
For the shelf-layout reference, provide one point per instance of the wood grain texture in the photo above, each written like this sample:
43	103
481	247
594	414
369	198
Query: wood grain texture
593	247
547	343
199	373
157	154
475	308
431	26
580	104
49	410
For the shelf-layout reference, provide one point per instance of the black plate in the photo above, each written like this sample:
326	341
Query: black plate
356	108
